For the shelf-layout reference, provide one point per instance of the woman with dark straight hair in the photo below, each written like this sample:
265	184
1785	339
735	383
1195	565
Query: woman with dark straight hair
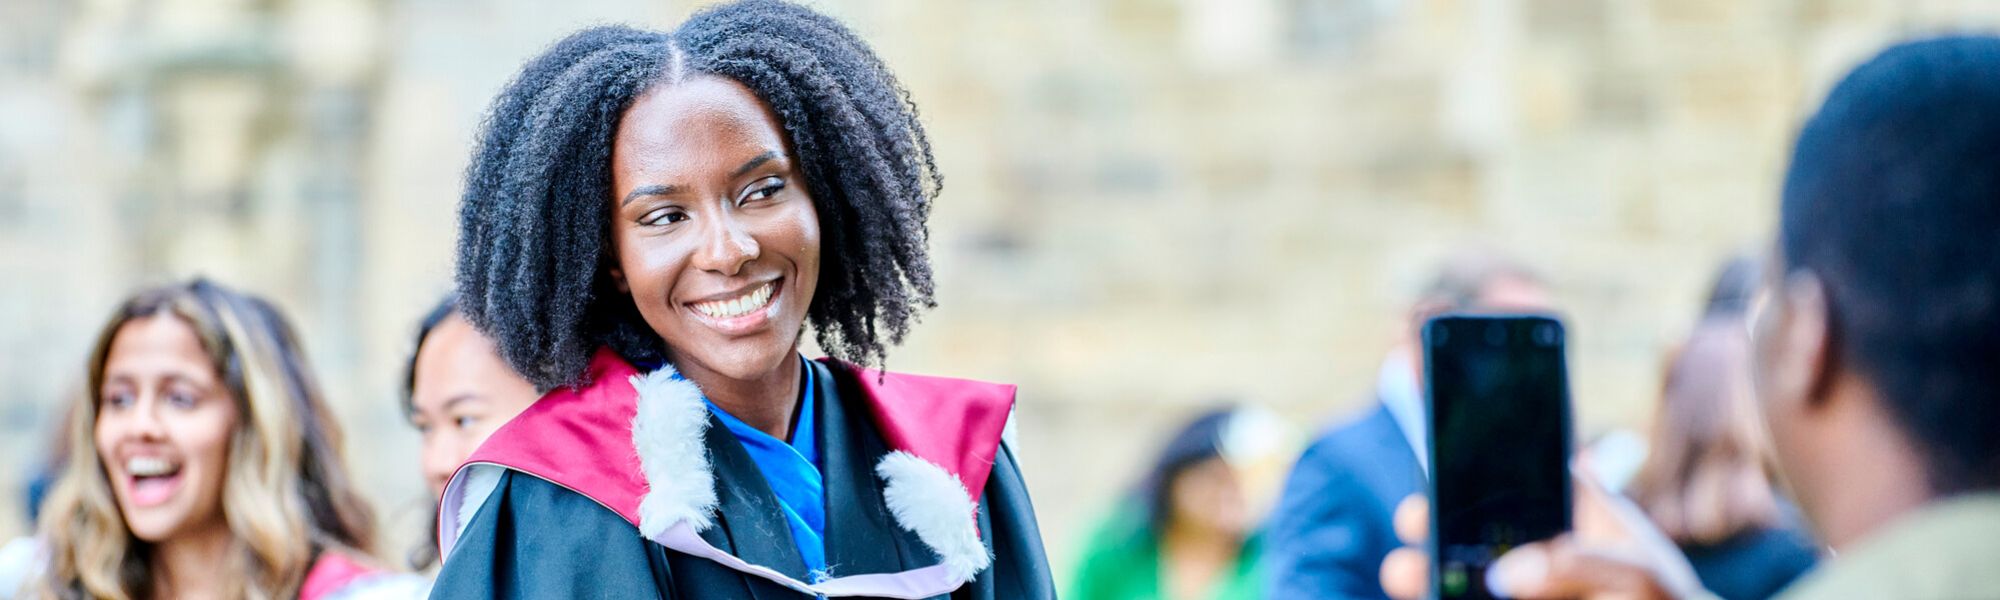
650	225
1188	530
456	391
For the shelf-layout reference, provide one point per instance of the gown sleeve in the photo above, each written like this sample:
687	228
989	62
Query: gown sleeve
1020	565
534	539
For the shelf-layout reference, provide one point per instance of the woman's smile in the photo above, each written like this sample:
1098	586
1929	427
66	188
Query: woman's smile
741	311
151	480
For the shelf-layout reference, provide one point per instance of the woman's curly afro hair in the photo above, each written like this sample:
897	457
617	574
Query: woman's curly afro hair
534	244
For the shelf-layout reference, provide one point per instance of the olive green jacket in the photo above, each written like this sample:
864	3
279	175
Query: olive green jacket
1122	562
1948	550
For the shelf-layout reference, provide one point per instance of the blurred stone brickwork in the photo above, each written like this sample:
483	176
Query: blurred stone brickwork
1149	205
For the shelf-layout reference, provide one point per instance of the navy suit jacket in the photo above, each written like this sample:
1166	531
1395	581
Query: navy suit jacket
1335	521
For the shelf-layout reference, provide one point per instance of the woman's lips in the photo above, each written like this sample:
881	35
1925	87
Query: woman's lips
742	314
151	481
153	491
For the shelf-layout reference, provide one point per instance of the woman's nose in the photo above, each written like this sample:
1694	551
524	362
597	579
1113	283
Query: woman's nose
143	420
726	246
440	459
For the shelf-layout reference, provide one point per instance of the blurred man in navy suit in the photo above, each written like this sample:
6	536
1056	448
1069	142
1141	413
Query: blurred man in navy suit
1332	527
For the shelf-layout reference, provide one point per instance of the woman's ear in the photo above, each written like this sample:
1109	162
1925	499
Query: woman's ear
618	280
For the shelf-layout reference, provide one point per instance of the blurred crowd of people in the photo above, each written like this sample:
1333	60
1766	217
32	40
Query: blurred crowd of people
1708	479
1827	428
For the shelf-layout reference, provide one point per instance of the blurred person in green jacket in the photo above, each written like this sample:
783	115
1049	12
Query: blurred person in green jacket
1188	530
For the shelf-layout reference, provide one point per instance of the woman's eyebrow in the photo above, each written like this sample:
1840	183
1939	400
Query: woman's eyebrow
184	379
753	163
650	190
669	190
459	399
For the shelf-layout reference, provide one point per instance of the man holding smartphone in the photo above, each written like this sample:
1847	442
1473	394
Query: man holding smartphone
1876	350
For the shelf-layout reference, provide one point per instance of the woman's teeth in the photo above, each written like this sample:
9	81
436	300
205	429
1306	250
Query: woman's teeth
149	467
154	480
738	306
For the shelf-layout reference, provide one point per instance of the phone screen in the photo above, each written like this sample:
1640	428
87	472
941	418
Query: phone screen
1500	442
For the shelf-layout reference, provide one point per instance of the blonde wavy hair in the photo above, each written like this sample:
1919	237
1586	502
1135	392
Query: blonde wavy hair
286	497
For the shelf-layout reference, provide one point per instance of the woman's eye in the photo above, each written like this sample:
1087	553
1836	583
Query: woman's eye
181	399
117	400
764	188
464	422
664	216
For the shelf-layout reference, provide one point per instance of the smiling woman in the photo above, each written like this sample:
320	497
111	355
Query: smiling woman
456	393
651	224
206	464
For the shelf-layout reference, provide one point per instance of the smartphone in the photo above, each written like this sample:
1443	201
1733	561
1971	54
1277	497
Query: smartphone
1497	393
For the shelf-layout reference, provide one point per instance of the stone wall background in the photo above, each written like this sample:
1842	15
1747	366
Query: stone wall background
1149	205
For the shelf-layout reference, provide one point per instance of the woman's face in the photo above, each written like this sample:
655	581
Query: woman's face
164	420
463	391
716	238
1209	495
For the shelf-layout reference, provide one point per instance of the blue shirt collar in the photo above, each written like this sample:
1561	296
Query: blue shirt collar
1397	387
792	471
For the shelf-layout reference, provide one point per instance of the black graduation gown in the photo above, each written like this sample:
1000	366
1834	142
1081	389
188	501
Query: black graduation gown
535	539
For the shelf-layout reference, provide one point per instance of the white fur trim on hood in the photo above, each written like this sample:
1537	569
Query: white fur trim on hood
932	503
667	432
924	498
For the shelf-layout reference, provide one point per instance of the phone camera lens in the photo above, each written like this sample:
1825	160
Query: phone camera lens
1545	335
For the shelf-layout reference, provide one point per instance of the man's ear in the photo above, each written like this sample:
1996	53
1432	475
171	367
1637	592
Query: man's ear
1424	311
1808	335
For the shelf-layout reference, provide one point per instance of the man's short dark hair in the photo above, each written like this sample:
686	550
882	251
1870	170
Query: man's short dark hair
1893	200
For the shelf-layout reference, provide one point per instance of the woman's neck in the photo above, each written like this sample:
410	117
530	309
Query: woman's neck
1194	557
765	401
191	565
1196	541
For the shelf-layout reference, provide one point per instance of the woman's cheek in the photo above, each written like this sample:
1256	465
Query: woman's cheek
650	265
216	424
